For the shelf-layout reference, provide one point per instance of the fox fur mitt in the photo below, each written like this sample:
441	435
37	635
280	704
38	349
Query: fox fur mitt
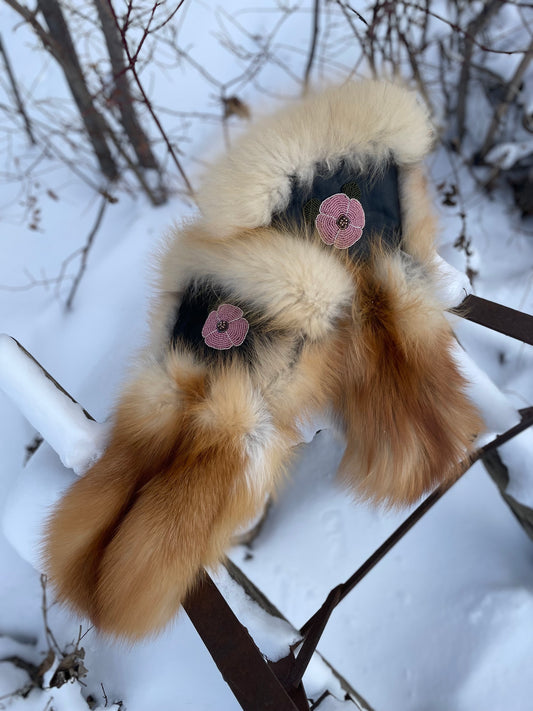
309	281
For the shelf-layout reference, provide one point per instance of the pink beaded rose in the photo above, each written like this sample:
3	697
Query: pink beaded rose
225	328
340	221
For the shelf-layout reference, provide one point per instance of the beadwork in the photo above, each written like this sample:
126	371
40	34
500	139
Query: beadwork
340	221
225	328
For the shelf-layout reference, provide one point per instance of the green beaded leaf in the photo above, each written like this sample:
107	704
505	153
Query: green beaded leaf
311	209
352	190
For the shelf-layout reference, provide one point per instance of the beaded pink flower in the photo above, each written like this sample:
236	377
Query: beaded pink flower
225	327
340	221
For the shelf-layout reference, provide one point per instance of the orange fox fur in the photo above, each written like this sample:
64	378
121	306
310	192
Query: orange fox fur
399	395
197	445
129	538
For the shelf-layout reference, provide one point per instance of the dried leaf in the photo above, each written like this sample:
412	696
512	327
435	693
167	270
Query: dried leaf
233	106
47	663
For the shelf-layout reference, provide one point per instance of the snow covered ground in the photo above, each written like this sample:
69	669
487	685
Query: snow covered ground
445	622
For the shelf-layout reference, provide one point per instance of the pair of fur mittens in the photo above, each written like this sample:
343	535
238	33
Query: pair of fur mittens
308	282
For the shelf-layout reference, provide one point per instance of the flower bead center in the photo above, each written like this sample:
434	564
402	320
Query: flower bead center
342	222
222	326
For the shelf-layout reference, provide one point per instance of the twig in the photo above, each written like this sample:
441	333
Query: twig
512	90
312	51
256	61
473	29
362	42
157	196
39	30
321	698
36	282
16	93
352	9
443	57
52	642
457	28
85	252
105	695
148	103
415	69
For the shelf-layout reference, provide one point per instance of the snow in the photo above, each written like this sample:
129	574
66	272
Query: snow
498	412
444	621
11	678
516	455
452	285
273	634
78	441
31	497
505	155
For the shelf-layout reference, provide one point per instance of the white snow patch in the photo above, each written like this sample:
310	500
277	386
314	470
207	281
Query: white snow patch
505	155
77	440
319	678
504	618
11	679
517	455
498	412
332	704
271	634
34	492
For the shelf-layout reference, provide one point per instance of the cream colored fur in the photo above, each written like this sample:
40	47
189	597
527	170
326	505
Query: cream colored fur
366	122
296	282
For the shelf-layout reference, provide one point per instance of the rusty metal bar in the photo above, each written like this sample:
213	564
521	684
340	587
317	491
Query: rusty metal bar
249	676
510	322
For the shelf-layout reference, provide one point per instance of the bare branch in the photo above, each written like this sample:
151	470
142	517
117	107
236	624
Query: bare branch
473	29
415	69
312	51
132	67
512	90
39	30
457	28
52	642
70	64
16	94
85	252
121	90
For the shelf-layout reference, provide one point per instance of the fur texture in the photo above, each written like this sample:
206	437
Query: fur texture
200	436
399	396
365	122
192	457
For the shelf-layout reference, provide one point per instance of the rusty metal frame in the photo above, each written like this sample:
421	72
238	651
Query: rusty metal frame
262	685
281	683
